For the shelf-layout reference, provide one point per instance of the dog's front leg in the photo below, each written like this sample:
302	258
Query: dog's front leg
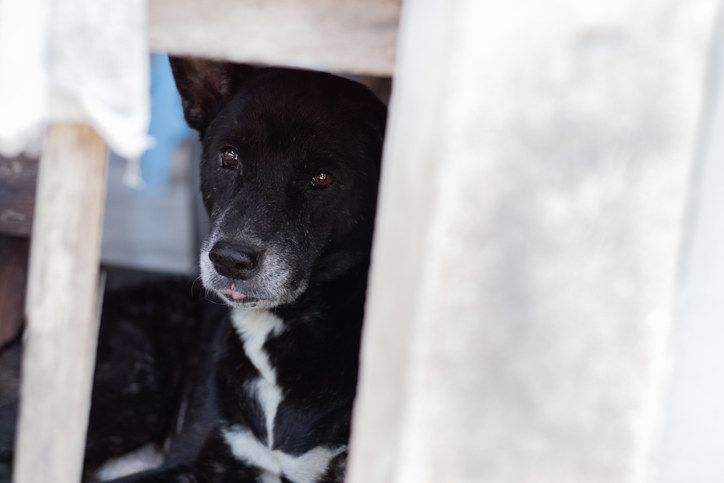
214	465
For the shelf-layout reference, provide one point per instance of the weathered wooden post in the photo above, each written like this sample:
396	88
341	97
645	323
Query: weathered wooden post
61	307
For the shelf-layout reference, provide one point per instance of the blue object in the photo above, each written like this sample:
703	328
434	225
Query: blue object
167	126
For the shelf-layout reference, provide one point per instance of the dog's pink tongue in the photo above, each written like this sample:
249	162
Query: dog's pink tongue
233	293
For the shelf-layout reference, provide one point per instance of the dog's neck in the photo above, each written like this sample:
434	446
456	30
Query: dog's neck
331	310
340	297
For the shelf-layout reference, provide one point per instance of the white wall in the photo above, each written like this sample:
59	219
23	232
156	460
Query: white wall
692	437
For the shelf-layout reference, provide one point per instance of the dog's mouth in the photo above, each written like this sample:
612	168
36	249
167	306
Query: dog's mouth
234	295
271	286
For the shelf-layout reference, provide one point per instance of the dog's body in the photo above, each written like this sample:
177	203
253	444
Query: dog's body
262	391
289	177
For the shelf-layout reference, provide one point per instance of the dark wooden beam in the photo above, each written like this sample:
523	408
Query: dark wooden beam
13	276
17	194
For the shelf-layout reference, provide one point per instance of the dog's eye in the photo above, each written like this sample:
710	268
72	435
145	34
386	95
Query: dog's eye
322	179
228	157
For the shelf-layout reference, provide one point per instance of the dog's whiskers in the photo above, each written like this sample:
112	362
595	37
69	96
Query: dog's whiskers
193	284
209	299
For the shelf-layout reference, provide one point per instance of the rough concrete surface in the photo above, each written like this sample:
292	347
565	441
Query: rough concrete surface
535	184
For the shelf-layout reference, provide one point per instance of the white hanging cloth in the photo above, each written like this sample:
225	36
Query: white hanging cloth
74	61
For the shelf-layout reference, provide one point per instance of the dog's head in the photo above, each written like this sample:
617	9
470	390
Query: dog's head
289	176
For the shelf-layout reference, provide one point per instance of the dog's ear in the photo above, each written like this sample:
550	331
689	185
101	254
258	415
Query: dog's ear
204	85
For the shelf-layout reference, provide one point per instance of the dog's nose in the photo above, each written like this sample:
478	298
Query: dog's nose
234	260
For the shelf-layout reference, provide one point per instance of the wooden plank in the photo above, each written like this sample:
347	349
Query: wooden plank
17	194
13	271
354	36
60	336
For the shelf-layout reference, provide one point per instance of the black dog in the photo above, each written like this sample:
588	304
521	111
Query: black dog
289	176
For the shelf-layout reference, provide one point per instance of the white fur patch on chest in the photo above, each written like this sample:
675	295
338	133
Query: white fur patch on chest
306	468
254	328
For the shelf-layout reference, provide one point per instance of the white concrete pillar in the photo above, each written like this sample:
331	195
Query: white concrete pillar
532	208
